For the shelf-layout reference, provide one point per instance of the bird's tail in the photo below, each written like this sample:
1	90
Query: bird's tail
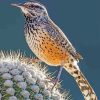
82	82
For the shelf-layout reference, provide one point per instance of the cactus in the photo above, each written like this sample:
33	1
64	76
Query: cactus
21	79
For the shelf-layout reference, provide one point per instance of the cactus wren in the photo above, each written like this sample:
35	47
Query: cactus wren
49	44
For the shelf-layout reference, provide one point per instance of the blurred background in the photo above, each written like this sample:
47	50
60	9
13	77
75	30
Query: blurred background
80	21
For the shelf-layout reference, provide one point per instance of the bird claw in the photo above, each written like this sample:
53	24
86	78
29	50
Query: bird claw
36	60
31	60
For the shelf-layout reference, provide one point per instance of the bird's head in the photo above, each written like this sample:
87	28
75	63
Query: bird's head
32	8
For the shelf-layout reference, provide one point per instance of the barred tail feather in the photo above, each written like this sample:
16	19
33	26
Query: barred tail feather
82	82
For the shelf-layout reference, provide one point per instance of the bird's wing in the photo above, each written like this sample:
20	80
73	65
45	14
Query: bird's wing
56	33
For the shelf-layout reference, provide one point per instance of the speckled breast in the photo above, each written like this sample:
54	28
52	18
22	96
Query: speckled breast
45	48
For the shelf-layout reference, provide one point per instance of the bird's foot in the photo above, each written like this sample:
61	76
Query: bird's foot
31	60
36	60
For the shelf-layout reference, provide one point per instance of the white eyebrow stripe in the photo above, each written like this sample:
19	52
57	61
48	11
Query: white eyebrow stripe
36	4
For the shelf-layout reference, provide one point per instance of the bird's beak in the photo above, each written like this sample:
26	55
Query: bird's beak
17	5
22	7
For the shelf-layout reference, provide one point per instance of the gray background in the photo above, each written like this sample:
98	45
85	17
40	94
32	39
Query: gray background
80	21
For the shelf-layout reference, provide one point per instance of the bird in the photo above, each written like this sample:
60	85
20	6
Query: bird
49	43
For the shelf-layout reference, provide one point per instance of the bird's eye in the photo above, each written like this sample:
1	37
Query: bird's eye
31	6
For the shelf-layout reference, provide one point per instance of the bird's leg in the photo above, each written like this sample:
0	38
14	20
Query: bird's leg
57	78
